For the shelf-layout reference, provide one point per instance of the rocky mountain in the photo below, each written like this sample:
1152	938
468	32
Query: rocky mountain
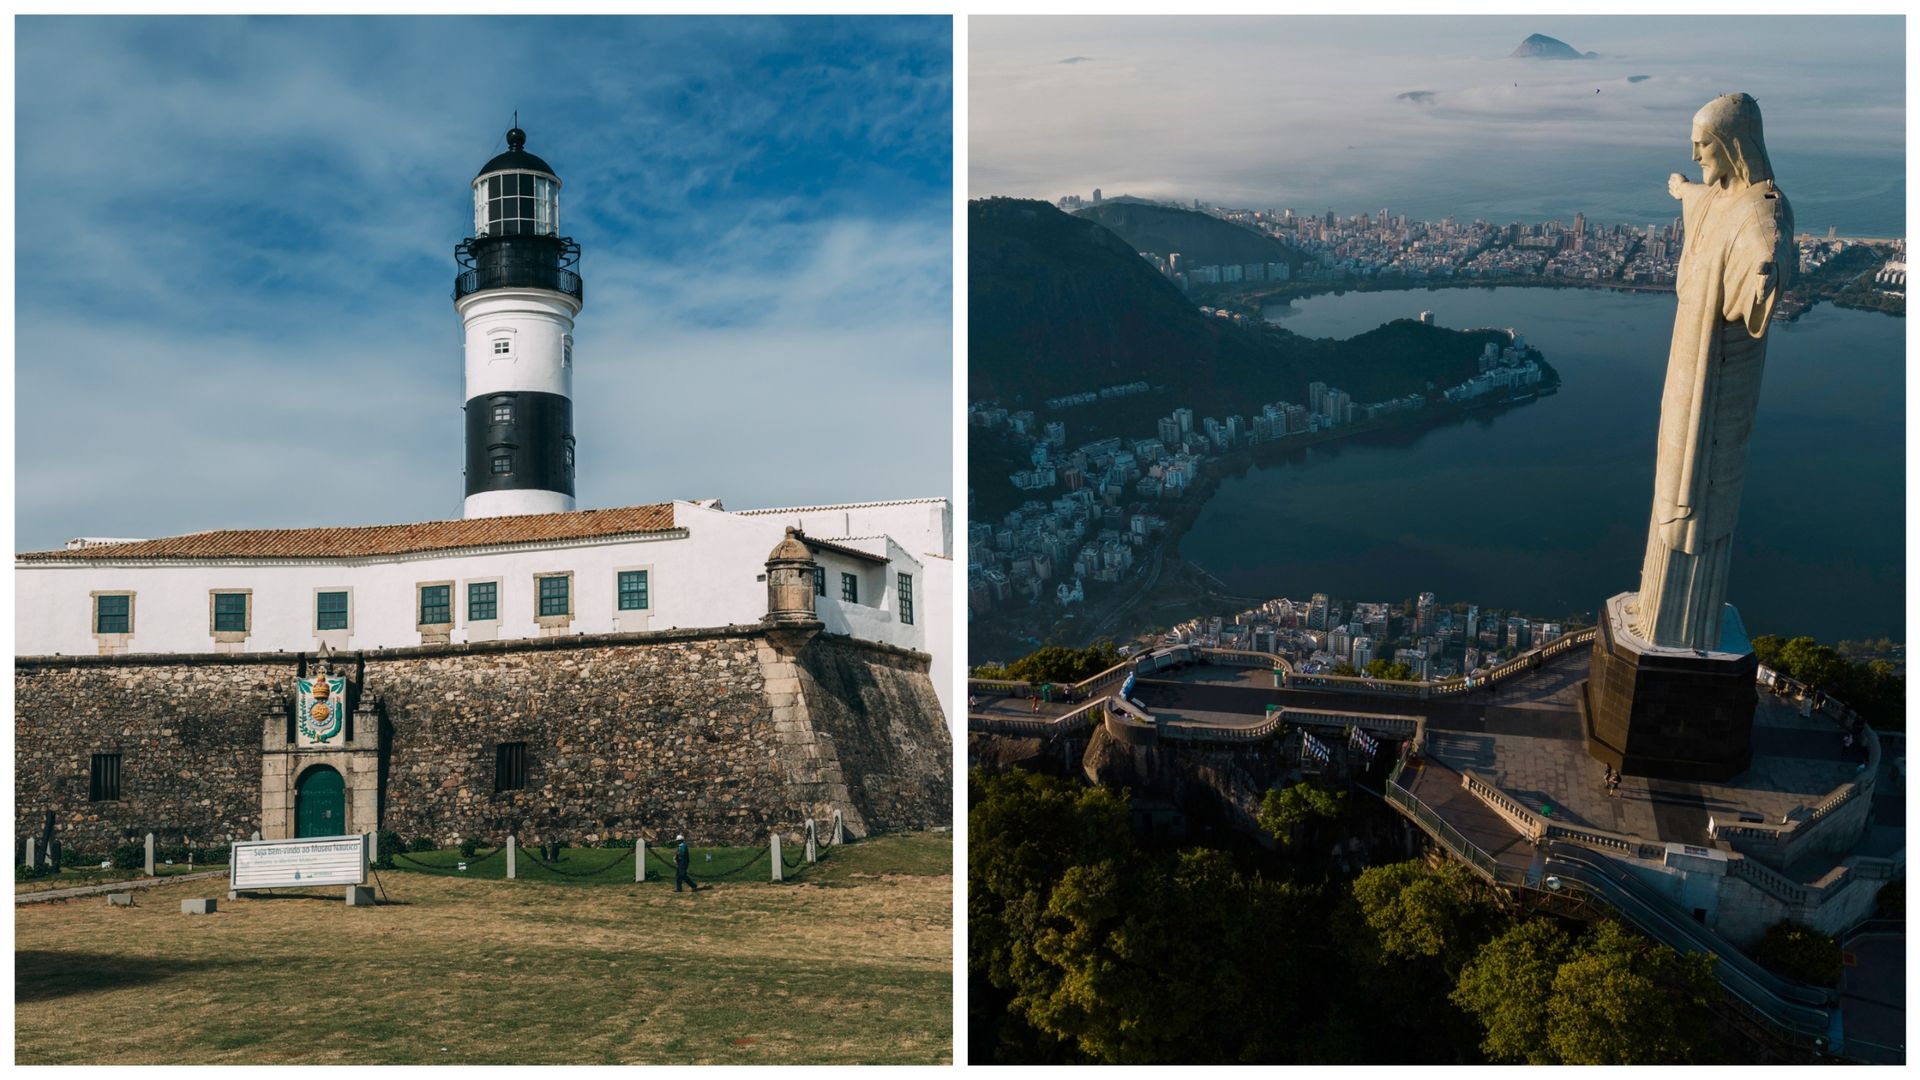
1542	47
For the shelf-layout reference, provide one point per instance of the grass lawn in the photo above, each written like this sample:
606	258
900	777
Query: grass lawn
851	963
71	877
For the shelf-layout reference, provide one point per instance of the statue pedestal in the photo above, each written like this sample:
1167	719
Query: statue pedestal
1667	713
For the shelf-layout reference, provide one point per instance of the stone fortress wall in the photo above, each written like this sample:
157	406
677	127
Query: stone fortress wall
715	733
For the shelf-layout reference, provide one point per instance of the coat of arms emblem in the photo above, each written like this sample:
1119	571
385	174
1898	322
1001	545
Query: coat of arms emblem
322	707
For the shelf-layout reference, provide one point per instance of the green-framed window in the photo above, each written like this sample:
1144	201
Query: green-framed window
229	612
113	614
483	601
906	598
850	588
330	611
633	590
819	581
436	605
553	595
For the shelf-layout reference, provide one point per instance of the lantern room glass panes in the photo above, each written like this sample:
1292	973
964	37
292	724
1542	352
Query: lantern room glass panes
516	204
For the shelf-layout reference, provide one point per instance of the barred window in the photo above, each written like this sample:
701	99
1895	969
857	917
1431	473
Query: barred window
436	605
819	581
510	766
483	601
330	611
633	590
229	612
103	784
113	614
906	598
553	595
850	588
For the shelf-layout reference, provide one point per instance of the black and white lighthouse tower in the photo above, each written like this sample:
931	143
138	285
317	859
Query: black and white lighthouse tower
517	294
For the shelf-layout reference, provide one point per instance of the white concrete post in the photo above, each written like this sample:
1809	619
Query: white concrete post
639	859
839	829
813	851
513	852
256	834
150	855
373	848
32	857
775	851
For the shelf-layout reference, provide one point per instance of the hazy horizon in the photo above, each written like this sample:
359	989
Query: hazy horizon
1308	113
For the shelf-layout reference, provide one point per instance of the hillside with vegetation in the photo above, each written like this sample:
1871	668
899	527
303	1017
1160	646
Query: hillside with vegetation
1200	239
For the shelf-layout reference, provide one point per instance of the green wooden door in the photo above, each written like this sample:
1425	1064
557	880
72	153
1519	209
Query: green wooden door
320	804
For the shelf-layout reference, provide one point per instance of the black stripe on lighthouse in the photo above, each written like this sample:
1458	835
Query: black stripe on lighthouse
519	440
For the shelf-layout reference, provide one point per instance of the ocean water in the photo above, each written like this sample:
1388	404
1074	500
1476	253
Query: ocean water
1543	508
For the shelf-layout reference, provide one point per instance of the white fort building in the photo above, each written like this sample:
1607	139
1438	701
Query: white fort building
523	563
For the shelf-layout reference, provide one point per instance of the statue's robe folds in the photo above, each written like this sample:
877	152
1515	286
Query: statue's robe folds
1737	258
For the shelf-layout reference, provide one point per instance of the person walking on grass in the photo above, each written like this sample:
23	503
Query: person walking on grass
680	859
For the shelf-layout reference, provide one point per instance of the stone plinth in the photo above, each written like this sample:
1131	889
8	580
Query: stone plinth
1672	714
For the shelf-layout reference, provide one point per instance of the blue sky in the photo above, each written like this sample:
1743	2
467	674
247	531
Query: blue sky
235	253
1430	115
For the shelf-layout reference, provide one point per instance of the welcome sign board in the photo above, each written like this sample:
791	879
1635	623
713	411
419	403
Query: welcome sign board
280	864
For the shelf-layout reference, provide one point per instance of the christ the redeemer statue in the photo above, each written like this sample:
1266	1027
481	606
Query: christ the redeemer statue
1670	691
1738	254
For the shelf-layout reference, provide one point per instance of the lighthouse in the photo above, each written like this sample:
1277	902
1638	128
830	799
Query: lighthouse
517	294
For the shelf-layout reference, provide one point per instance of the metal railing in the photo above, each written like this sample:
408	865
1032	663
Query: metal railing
518	276
1448	837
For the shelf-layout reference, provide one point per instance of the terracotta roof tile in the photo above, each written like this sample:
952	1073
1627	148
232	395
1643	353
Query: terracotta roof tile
375	540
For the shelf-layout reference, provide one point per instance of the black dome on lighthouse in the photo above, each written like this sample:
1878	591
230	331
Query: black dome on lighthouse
516	157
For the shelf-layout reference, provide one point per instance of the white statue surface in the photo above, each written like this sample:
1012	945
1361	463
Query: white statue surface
1737	255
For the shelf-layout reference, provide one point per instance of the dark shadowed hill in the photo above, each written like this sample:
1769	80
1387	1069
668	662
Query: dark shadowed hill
1060	305
1201	239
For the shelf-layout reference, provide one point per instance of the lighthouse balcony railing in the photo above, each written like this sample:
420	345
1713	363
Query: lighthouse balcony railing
518	276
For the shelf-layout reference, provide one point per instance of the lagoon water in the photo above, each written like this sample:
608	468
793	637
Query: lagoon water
1543	507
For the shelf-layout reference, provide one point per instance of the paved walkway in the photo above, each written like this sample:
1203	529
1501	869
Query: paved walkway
1439	787
113	887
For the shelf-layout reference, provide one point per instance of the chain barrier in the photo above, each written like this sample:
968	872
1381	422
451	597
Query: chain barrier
797	863
751	859
625	855
431	868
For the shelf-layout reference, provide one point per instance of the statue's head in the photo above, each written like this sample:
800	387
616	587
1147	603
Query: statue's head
1727	141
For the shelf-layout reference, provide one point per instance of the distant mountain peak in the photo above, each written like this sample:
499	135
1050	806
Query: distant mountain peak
1542	47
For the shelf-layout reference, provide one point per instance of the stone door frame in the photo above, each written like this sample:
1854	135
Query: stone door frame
282	763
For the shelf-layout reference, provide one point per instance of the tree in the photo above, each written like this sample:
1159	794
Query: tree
1284	810
1507	985
1025	832
1628	1001
1798	951
1386	669
1415	912
1056	663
